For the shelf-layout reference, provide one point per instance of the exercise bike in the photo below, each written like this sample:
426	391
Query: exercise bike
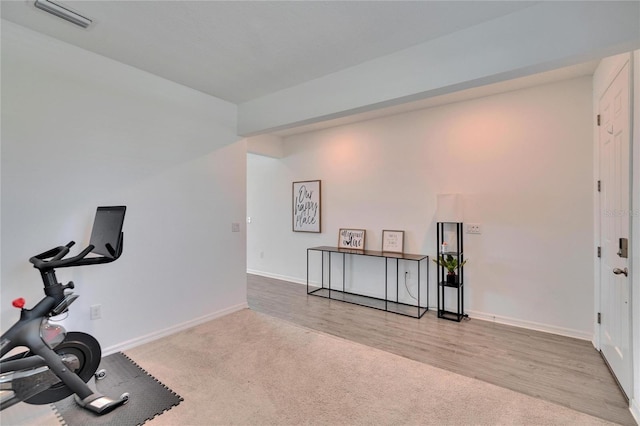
58	364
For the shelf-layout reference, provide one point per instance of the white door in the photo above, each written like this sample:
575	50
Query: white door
615	333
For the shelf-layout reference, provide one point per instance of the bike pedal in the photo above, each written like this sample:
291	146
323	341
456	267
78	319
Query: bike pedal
101	404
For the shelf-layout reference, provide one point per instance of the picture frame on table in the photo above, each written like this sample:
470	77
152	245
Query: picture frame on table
353	239
392	241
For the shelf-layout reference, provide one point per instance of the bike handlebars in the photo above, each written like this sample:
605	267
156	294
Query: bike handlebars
63	251
57	260
106	243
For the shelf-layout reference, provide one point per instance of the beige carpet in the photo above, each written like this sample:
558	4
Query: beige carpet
251	369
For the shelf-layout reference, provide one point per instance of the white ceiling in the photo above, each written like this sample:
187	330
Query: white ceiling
242	50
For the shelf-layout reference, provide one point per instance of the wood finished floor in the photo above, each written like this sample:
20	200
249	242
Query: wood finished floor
563	370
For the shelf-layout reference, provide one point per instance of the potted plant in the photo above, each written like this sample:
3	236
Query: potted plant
451	264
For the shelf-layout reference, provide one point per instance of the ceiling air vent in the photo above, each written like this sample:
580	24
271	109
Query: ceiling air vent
63	12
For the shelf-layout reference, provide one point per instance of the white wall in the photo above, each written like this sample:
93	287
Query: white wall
80	130
269	145
523	161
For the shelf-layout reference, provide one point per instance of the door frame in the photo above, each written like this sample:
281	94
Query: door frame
635	232
603	77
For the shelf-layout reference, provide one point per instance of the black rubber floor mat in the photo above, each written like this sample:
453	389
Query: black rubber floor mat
148	397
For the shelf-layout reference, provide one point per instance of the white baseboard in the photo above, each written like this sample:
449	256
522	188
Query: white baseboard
277	276
634	407
531	325
171	330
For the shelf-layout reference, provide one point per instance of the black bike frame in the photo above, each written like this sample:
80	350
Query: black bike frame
26	332
107	235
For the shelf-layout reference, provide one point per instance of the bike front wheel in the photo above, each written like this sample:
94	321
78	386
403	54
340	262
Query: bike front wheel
84	347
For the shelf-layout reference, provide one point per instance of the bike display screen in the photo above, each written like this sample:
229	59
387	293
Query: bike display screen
106	235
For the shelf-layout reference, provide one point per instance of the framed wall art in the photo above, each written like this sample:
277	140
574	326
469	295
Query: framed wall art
306	206
393	241
351	238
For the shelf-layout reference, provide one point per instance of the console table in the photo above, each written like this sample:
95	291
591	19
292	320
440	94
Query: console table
390	302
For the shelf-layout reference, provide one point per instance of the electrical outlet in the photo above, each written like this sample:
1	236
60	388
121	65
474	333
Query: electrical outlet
95	312
235	227
474	228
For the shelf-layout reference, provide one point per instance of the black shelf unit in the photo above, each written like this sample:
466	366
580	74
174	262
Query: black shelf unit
443	282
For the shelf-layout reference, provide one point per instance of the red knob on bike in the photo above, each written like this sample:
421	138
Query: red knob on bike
19	303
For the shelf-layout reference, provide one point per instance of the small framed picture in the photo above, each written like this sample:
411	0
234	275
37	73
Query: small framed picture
306	206
393	241
351	238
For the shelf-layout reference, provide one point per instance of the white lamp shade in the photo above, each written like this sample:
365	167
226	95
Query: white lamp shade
449	208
